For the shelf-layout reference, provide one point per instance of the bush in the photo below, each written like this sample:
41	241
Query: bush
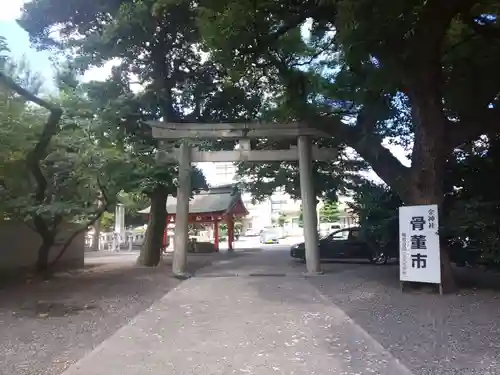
377	208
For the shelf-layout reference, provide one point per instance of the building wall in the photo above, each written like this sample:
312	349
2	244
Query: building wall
225	173
266	213
19	245
263	214
258	213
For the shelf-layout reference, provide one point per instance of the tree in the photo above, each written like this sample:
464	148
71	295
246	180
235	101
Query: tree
371	69
331	178
153	243
16	97
282	220
133	202
472	200
156	46
376	207
329	212
52	173
147	178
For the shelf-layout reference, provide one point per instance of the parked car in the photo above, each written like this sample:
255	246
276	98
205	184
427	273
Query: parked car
347	243
251	233
270	236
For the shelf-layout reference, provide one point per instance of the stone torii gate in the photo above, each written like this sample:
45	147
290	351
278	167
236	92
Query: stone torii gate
184	155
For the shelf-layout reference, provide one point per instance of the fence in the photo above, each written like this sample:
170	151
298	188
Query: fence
111	241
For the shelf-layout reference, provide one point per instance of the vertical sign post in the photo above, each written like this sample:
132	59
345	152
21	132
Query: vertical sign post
419	250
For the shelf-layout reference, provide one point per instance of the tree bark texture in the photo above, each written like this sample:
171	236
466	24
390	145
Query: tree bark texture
48	240
430	150
151	250
96	236
42	262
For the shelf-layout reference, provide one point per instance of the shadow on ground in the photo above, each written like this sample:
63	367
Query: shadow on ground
47	326
457	334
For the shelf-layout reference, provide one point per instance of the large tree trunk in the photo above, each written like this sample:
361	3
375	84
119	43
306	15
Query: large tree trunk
96	236
429	155
97	226
150	255
48	240
42	261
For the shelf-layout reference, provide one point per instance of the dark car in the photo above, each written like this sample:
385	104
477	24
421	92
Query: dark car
347	243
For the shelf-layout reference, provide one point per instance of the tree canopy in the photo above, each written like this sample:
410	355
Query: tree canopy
53	172
371	69
329	212
421	73
361	79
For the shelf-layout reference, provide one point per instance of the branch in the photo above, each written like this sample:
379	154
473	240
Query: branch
316	55
361	137
430	32
104	195
369	146
40	150
307	9
318	10
49	130
55	223
100	211
75	234
472	126
11	84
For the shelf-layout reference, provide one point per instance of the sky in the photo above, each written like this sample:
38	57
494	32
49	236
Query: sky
18	39
18	42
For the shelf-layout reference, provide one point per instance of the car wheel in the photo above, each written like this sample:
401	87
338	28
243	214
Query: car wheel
379	259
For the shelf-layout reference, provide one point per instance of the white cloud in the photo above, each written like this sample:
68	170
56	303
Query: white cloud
11	9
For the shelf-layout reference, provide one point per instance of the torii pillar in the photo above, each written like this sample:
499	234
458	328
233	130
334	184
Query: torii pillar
181	237
305	153
308	205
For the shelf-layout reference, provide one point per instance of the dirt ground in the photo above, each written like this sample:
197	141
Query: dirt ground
453	334
45	327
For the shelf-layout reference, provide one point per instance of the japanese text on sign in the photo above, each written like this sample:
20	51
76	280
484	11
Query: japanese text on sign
419	244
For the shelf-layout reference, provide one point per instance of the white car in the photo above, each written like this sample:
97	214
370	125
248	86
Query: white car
251	233
270	236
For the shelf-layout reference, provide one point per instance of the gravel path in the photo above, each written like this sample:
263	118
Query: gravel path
433	335
48	326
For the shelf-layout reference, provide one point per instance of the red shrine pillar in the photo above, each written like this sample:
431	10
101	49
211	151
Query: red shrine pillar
216	235
230	232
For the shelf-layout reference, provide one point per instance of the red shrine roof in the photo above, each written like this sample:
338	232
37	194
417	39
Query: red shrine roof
220	199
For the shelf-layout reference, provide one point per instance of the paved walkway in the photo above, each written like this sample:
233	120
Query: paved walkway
225	321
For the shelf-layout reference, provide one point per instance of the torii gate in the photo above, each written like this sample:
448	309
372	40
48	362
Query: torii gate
305	153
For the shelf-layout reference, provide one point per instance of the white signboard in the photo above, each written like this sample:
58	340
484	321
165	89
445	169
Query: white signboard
419	252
